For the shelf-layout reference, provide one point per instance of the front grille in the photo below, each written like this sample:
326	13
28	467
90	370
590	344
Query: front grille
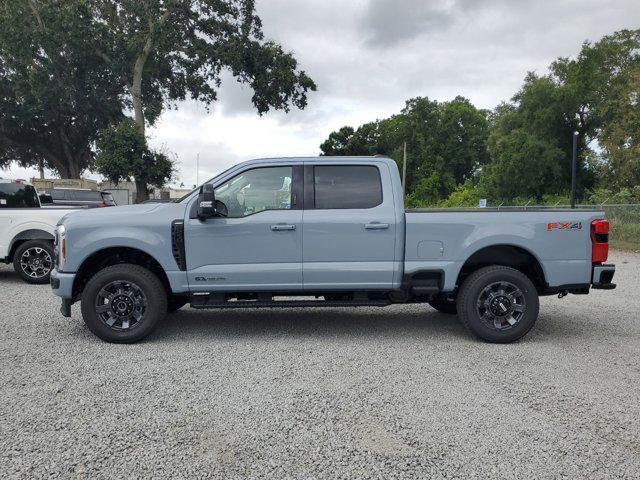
177	243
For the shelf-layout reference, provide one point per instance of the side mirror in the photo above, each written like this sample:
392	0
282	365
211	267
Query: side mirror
206	202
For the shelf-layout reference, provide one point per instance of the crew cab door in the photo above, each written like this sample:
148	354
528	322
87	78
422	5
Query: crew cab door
258	245
349	227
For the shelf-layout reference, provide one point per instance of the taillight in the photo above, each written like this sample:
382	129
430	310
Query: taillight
599	241
101	205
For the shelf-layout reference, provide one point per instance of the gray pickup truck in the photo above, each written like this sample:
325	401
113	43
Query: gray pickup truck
322	231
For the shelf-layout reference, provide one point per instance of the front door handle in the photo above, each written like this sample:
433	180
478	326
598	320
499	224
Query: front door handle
376	226
281	227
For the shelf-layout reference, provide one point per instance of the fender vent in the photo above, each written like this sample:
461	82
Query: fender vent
177	243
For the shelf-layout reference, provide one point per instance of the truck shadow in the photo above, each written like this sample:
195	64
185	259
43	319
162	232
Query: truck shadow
189	324
8	276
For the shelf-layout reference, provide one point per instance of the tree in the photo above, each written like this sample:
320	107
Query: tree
55	93
576	95
123	155
594	79
620	137
446	144
529	144
166	50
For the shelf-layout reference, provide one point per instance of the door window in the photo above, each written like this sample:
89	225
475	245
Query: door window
347	186
256	190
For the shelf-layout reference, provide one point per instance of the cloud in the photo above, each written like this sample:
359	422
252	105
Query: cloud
387	23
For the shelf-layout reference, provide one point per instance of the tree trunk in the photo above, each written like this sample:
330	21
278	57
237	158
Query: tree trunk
136	95
141	191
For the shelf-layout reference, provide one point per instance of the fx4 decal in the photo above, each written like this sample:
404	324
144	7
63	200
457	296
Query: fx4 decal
564	226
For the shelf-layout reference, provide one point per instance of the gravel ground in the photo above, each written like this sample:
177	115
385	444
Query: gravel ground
401	392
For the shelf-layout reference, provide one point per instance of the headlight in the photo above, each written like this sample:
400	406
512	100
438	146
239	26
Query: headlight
61	247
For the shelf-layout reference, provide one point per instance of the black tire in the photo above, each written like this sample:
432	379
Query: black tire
444	304
480	300
33	261
176	302
139	292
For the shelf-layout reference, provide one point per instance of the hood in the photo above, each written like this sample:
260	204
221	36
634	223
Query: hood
125	214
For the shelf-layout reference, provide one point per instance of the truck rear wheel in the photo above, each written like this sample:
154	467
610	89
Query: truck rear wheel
498	304
33	261
123	303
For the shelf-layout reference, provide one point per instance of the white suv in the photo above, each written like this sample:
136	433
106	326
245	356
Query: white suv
26	230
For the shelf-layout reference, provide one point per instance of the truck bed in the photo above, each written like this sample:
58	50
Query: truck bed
443	239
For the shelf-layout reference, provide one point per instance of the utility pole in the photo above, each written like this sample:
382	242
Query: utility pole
198	168
404	169
574	169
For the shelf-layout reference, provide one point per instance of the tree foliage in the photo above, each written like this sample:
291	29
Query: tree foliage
446	144
55	93
620	137
168	50
123	155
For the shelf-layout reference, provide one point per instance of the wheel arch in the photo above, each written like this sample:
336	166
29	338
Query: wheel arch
106	257
508	255
25	236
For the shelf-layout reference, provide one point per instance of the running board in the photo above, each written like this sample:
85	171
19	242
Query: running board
213	301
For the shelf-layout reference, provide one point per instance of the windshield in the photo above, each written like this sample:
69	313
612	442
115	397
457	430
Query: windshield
18	195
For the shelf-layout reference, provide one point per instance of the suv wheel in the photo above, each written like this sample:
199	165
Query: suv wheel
33	261
498	304
123	303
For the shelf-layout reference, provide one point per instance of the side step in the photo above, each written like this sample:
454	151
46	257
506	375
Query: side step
215	301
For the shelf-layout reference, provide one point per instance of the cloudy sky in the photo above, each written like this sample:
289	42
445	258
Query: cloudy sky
368	56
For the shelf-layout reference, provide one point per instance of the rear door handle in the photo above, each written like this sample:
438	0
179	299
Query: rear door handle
376	226
281	227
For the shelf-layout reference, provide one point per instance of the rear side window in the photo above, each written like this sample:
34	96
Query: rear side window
86	195
347	186
17	195
58	194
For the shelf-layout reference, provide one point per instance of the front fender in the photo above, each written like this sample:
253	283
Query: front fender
81	245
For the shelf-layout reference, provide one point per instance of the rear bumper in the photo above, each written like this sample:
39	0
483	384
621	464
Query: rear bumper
603	276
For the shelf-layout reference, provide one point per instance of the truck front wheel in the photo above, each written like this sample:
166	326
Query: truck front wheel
123	303
498	304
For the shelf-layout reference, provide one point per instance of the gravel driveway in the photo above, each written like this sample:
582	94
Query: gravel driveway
401	392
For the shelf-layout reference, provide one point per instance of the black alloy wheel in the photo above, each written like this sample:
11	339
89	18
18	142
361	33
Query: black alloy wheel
123	303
